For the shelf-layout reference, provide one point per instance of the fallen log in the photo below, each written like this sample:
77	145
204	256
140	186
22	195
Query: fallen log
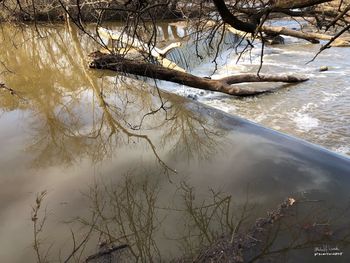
279	30
224	85
309	36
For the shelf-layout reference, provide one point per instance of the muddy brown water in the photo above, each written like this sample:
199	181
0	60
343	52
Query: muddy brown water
130	164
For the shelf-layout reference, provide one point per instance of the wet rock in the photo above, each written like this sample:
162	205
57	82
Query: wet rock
323	68
274	39
192	96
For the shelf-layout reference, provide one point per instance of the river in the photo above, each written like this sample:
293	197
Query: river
88	153
317	110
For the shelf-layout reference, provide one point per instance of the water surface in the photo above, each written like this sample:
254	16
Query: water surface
317	110
124	163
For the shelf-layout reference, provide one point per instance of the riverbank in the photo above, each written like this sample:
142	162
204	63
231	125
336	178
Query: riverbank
53	11
95	12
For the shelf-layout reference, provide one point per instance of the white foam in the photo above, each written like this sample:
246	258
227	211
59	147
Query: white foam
342	150
305	122
329	96
309	106
260	118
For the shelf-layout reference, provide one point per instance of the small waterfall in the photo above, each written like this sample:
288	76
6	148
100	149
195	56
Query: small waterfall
193	53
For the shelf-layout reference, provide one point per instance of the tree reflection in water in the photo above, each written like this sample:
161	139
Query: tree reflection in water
131	223
81	113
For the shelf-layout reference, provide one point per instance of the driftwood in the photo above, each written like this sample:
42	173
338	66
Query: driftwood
280	30
224	85
309	36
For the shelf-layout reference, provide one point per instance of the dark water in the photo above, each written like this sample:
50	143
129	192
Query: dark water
122	162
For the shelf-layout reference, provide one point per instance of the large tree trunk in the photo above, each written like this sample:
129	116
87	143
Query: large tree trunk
224	85
290	4
279	6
